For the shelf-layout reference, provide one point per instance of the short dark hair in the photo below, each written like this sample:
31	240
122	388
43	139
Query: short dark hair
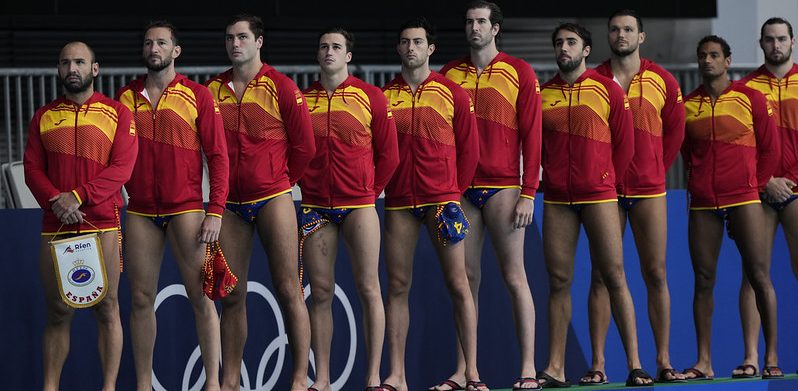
91	50
419	22
576	28
716	39
775	20
255	23
349	37
627	12
496	15
164	24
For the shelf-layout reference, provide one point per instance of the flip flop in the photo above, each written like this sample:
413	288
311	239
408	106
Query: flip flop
526	380
744	372
669	371
453	386
551	382
475	385
387	387
638	373
602	378
767	372
698	375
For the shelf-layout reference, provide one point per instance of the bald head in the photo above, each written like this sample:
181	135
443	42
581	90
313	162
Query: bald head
78	46
77	67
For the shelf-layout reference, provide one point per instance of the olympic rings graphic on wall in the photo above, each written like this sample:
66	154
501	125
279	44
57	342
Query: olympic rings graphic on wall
278	345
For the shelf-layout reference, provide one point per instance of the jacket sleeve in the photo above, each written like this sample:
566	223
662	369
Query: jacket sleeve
35	166
622	130
384	141
298	127
124	151
466	138
530	122
672	121
214	145
768	143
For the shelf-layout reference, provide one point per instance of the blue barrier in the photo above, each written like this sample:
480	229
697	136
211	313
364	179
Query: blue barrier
430	349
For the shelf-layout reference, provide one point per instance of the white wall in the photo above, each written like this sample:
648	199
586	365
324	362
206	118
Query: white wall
739	21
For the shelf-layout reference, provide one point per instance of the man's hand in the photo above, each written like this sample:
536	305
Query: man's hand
64	206
779	189
209	231
75	218
523	212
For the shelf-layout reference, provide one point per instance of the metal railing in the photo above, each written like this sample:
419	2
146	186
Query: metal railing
25	90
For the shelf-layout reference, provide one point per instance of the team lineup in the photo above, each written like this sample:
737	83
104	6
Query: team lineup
458	151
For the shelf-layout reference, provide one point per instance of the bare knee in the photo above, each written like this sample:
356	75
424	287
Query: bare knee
758	278
614	277
369	290
142	300
560	281
59	314
704	280
107	311
655	277
516	282
237	299
399	286
322	293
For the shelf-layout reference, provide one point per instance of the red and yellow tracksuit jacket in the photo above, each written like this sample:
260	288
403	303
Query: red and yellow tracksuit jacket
506	96
269	134
356	146
658	112
186	123
89	150
438	142
731	147
588	139
783	97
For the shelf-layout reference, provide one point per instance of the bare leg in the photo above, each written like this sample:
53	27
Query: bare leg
560	235
747	223
190	255
749	316
473	243
235	238
144	245
278	232
109	325
789	223
361	231
55	341
452	259
705	235
509	245
319	253
601	226
598	315
401	237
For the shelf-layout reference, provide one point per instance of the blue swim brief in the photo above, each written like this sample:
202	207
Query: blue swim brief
452	224
479	196
778	206
313	219
248	211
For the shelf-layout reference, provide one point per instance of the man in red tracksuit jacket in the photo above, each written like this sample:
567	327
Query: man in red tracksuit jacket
81	149
656	104
178	122
438	154
499	202
269	143
731	150
356	155
777	78
588	143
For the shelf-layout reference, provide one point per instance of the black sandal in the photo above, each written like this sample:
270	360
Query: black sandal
641	374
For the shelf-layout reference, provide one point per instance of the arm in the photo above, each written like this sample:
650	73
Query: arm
35	165
384	141
530	118
672	122
622	130
124	151
466	138
768	144
298	127
214	146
